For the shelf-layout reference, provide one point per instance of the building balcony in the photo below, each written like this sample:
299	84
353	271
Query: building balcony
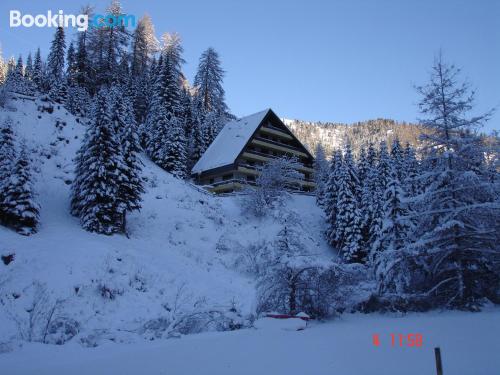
275	131
276	146
258	156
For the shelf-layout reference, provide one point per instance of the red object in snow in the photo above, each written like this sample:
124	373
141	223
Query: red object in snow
286	316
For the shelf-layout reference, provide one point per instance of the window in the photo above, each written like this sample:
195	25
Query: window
211	181
250	178
227	177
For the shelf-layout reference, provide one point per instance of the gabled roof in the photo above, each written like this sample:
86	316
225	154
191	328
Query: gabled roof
229	142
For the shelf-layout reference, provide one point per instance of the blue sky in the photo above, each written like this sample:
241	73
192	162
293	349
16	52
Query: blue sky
342	61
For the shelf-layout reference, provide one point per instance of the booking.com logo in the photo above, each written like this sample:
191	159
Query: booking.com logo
80	21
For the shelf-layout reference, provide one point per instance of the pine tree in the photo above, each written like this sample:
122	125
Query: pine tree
397	155
320	174
55	67
7	153
348	217
3	69
369	196
105	46
210	94
411	183
196	141
18	207
71	66
331	194
165	134
96	185
458	216
348	230
37	75
391	263
144	45
130	183
208	82
28	71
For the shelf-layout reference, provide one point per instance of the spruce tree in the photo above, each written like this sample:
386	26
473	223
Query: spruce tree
458	215
210	94
28	71
331	193
208	82
321	168
97	181
37	75
18	208
55	67
130	183
397	154
391	263
166	142
369	196
7	153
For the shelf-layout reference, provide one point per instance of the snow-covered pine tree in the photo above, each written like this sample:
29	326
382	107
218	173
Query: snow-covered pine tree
330	201
391	263
369	196
397	155
458	226
3	68
411	183
165	134
96	184
130	183
106	45
362	165
37	76
196	140
144	45
382	176
28	71
208	83
55	67
348	218
71	67
173	151
83	73
19	208
7	153
210	94
321	170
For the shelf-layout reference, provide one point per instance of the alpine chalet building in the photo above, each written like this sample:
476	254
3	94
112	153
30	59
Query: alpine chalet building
233	159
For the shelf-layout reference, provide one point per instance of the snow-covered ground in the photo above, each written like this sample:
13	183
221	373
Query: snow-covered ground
187	249
469	343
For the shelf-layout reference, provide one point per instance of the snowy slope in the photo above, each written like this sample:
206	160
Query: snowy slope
342	347
184	253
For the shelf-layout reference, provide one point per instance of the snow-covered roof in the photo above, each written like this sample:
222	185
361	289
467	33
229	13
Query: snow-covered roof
229	142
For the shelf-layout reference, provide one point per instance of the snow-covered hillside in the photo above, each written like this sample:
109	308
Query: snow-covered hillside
187	250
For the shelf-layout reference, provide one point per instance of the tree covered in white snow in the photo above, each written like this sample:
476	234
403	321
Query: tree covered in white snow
55	81
276	177
210	94
321	169
18	207
99	161
7	153
347	232
458	214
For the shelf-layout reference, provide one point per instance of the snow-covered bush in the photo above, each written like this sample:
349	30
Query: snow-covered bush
276	176
34	320
61	330
319	291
